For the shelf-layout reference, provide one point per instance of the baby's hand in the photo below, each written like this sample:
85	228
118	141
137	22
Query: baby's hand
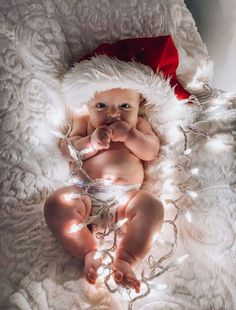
101	138
120	131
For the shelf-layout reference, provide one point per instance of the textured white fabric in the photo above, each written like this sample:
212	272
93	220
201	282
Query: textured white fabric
39	42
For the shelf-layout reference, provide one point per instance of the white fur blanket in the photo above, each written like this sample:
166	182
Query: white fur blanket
39	42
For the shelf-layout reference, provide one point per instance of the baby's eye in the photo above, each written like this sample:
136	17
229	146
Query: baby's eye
125	106
100	105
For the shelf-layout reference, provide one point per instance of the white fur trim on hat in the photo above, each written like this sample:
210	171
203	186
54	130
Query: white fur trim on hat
101	73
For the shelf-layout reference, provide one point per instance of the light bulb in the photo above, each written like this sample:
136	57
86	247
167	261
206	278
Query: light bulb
194	171
181	259
154	238
192	194
86	151
120	223
76	227
57	134
122	200
102	276
188	216
72	151
187	152
178	261
107	260
67	197
71	196
98	254
100	270
157	286
161	286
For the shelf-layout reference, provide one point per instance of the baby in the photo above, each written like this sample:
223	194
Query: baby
120	141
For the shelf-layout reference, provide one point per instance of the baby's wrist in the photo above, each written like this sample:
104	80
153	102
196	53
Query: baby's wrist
93	143
130	134
93	138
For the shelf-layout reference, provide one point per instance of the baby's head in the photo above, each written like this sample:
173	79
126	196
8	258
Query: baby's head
113	105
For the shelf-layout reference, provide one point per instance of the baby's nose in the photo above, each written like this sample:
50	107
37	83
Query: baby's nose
113	111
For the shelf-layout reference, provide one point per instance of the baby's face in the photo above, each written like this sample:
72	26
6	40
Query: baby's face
113	105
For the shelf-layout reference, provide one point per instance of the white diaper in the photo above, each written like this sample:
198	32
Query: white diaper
105	191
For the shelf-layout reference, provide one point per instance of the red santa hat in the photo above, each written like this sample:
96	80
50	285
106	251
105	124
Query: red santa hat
146	65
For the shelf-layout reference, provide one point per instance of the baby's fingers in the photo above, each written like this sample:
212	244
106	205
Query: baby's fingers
105	144
105	136
106	130
106	139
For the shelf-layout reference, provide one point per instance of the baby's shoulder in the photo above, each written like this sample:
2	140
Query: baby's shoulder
79	124
78	117
141	122
144	126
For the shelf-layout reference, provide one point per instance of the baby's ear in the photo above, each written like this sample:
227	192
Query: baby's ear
142	101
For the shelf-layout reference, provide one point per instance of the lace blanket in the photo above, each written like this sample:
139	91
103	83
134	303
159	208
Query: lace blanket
39	41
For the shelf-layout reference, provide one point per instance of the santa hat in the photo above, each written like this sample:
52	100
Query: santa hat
145	65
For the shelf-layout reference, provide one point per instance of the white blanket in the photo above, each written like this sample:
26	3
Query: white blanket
39	42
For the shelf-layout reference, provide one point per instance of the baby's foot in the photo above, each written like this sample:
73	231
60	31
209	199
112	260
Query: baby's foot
124	275
91	266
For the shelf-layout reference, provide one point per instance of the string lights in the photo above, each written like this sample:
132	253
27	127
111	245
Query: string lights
105	271
156	267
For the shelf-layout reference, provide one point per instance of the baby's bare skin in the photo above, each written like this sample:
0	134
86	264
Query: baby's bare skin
121	142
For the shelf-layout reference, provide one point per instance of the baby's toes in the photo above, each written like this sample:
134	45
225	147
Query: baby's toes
118	276
91	275
130	279
137	286
133	282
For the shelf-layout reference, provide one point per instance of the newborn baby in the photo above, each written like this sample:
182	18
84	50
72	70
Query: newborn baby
120	141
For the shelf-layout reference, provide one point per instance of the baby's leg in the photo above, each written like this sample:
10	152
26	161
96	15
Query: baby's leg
62	214
145	217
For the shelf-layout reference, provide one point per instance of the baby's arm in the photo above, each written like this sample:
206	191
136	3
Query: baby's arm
78	137
98	140
142	140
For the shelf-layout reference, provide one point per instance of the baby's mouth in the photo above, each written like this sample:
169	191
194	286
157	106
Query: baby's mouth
109	122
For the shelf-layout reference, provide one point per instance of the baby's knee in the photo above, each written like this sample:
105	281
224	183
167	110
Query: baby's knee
147	205
66	201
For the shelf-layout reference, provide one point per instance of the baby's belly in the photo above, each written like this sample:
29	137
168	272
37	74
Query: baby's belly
117	163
